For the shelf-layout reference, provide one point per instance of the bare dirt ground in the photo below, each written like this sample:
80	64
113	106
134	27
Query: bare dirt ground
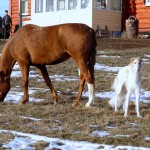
66	122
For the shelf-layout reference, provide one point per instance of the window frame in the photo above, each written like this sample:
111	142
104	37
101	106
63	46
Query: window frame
58	5
40	6
100	7
50	10
81	6
115	9
75	5
147	2
26	5
108	7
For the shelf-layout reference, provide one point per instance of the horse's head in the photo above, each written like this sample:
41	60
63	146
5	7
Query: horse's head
4	86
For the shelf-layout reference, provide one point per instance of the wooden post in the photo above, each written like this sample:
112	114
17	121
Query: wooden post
20	13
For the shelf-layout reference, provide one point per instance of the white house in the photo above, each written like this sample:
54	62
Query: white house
90	12
52	12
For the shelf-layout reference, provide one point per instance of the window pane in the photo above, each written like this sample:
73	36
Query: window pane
38	6
115	5
84	3
61	5
100	4
72	4
24	6
148	2
49	5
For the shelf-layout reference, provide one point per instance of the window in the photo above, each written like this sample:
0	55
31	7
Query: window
24	6
115	5
147	2
84	3
100	4
72	4
38	6
49	5
61	5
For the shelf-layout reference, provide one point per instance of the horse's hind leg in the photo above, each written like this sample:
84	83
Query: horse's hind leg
81	85
25	74
88	76
42	69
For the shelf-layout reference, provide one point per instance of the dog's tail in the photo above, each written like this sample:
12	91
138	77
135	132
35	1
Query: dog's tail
120	98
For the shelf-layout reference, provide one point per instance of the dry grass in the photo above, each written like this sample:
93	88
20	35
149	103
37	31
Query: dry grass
64	121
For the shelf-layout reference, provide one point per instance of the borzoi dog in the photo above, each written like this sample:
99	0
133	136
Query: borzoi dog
127	81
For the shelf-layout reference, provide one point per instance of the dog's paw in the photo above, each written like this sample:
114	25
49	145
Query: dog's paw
87	104
125	115
139	116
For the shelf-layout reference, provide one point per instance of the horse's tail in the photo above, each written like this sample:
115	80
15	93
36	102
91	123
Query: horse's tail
92	56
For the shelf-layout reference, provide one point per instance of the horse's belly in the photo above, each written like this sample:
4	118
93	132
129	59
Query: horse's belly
47	59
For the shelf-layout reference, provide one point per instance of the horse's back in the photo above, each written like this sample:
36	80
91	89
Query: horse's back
53	44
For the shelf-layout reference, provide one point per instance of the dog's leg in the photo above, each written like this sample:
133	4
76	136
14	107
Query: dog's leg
126	104
137	95
116	100
118	96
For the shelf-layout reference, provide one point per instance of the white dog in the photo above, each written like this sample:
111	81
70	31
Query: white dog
127	81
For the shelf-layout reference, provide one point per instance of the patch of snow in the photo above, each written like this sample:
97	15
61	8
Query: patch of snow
146	55
19	143
106	56
16	66
123	136
15	96
24	140
147	138
100	133
94	126
34	119
146	61
144	96
15	74
110	127
103	67
63	78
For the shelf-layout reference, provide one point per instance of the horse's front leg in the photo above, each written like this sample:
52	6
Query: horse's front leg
43	71
25	74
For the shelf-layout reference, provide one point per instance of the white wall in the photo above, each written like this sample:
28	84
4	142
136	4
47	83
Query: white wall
63	16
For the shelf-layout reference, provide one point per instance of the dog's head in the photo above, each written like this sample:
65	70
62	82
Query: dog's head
136	63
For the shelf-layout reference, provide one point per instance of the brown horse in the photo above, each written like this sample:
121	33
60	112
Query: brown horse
38	46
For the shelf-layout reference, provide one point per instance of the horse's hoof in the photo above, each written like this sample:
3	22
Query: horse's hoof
55	103
23	101
87	105
75	104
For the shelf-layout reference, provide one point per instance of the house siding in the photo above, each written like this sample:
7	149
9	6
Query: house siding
110	18
143	15
138	9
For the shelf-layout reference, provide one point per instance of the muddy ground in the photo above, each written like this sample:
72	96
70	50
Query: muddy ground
67	122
